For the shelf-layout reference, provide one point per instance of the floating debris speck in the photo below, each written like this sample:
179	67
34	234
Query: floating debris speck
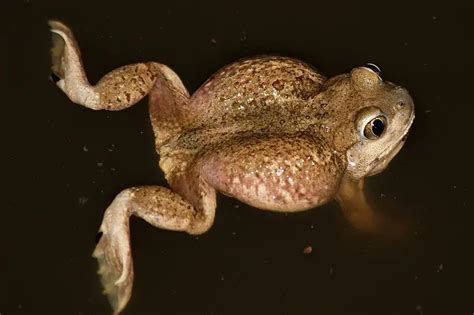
82	200
419	309
307	250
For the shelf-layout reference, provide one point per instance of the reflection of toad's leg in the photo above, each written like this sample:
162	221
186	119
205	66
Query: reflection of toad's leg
117	90
352	200
160	207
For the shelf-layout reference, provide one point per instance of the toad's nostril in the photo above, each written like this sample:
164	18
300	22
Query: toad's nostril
400	104
404	138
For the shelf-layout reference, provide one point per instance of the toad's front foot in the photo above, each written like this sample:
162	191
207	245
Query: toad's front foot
361	214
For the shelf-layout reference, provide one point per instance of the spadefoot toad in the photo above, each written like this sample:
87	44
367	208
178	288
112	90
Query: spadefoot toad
270	131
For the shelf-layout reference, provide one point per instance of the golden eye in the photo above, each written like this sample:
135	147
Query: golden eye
375	128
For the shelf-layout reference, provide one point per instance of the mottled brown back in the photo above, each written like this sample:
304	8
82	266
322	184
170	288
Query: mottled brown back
250	87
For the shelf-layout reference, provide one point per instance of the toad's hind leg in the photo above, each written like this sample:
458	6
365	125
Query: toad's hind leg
117	90
160	207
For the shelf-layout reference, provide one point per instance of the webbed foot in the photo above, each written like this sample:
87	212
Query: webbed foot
158	206
113	254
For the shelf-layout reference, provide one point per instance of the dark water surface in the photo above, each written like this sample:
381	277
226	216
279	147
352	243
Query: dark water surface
63	164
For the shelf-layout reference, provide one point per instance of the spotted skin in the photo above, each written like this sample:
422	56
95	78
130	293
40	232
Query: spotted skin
291	173
270	131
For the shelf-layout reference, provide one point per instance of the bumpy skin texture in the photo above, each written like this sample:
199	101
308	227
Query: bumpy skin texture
270	131
258	136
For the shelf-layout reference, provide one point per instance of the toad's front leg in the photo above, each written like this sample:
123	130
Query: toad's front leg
160	207
360	213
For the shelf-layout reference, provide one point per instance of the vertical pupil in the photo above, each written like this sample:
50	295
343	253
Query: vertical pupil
378	127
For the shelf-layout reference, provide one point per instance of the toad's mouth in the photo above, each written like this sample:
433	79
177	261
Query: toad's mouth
381	161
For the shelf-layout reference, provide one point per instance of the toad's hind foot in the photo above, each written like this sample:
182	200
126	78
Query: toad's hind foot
67	70
116	278
158	206
114	256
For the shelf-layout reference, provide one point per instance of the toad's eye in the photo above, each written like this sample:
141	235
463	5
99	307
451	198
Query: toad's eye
374	68
375	128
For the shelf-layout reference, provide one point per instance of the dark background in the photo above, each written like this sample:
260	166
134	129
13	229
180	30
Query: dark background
63	164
